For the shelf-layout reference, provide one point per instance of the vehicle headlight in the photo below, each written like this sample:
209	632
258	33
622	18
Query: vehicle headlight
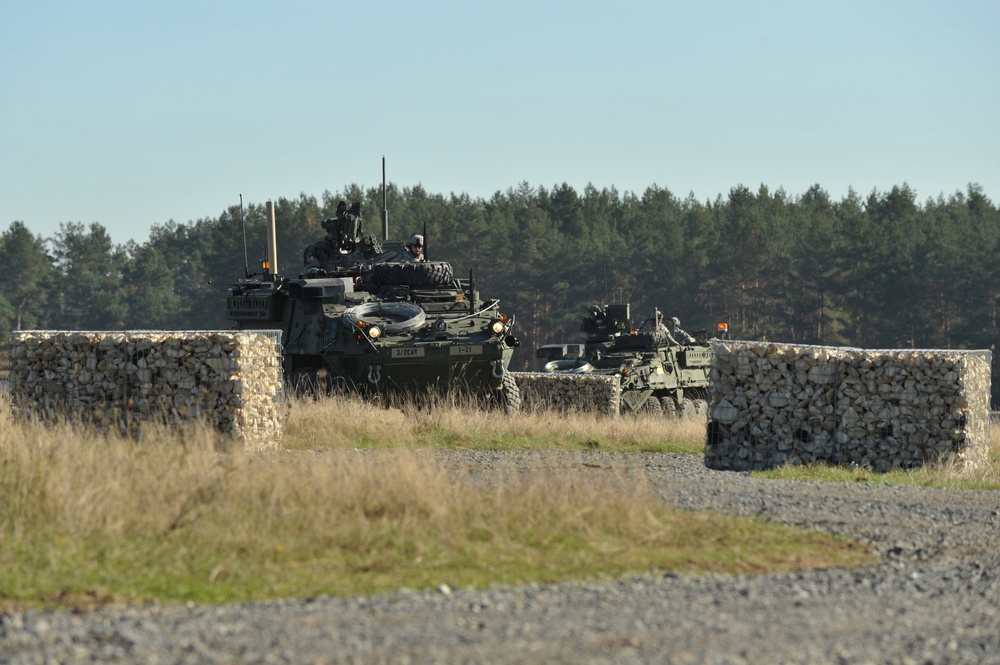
497	327
374	332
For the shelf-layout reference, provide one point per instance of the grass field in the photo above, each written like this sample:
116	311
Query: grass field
88	518
455	426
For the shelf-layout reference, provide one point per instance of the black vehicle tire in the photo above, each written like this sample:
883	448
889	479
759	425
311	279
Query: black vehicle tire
506	398
315	382
669	407
424	273
652	407
642	340
701	407
688	409
510	394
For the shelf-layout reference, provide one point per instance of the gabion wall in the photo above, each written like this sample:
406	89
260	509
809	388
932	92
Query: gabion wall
567	393
775	404
230	379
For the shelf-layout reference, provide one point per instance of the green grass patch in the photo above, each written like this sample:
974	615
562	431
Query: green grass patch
238	528
943	477
984	476
89	519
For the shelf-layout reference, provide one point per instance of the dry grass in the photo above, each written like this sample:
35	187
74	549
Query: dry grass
347	423
89	518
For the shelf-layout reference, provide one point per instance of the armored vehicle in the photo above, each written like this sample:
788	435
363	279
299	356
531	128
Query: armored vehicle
365	316
662	370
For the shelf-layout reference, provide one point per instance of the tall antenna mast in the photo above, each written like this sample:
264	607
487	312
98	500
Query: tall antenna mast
606	301
246	259
385	210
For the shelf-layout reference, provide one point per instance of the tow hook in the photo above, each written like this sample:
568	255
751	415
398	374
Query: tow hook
374	374
497	370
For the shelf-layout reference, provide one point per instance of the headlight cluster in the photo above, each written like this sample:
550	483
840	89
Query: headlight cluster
373	330
499	325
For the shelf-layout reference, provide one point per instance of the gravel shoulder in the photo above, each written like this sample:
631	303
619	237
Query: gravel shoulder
933	598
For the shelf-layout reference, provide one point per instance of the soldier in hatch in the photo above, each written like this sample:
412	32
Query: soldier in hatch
342	233
414	248
653	323
683	336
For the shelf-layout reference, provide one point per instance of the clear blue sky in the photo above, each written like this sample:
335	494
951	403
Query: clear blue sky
132	113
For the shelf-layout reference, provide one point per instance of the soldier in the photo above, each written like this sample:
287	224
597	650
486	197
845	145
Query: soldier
653	323
342	234
415	248
317	254
682	335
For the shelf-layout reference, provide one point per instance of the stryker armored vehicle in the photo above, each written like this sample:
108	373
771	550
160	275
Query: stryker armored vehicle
365	316
662	370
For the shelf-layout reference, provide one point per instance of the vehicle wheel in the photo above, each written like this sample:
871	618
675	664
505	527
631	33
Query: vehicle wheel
311	382
652	406
510	394
669	407
688	408
642	340
437	273
424	273
701	407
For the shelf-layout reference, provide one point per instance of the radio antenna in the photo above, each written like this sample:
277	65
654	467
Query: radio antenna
385	210
246	259
606	284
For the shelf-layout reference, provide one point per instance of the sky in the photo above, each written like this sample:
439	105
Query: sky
133	114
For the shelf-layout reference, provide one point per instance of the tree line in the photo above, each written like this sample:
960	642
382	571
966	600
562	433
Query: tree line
875	271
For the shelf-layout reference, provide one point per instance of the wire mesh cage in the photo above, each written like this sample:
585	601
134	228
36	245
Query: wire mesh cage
231	379
776	404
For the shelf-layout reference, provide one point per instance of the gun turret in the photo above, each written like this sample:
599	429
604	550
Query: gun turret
345	228
607	321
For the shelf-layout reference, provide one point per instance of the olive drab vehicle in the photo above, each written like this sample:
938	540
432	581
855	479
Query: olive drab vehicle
367	315
663	370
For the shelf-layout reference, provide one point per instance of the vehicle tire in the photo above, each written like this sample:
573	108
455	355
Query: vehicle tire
669	407
701	407
642	340
423	273
652	406
506	398
314	382
510	394
688	408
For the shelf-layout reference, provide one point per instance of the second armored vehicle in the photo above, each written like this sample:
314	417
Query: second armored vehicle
661	370
366	315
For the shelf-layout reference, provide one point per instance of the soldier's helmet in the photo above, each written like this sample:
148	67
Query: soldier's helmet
415	245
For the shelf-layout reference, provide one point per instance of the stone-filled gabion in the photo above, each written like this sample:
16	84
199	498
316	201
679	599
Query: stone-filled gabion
568	393
774	404
230	379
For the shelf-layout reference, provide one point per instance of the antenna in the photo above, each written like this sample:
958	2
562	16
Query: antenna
385	210
605	283
246	259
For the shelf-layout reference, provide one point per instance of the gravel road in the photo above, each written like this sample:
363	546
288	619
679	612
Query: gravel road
933	598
